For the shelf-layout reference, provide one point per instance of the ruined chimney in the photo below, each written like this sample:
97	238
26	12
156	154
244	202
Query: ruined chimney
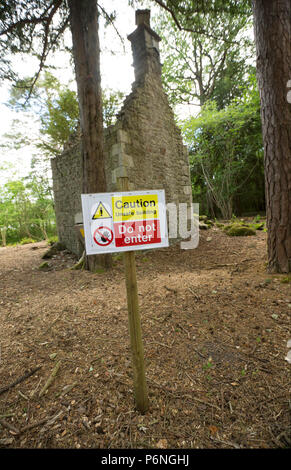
142	17
145	46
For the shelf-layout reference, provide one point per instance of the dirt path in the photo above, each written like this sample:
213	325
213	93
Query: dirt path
215	328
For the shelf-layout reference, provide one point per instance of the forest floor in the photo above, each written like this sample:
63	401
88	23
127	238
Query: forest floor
215	327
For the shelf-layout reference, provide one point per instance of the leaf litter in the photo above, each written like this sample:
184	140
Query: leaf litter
214	334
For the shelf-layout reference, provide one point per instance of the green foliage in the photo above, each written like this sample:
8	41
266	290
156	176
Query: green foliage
59	120
207	365
205	51
53	239
55	105
27	241
111	102
26	210
61	117
226	155
58	111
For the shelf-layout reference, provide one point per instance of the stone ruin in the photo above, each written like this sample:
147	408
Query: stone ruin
144	142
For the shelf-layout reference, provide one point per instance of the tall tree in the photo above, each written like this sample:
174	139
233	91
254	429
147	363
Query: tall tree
272	26
84	28
86	51
209	65
28	26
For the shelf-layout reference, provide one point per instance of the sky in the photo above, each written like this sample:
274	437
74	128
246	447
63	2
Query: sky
117	74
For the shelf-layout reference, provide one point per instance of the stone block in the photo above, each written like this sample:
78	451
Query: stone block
125	160
123	137
115	149
119	172
187	190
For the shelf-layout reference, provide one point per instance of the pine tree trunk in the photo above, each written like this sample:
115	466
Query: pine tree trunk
272	27
84	28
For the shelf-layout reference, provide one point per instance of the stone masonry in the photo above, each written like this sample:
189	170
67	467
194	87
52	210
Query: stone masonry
145	142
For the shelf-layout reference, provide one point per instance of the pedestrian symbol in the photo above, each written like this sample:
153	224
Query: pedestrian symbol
101	212
103	236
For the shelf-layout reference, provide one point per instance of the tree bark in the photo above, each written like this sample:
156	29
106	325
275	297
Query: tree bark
86	52
272	28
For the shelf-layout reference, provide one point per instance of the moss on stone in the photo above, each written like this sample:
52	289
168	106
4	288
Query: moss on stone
239	230
53	250
203	226
209	222
258	226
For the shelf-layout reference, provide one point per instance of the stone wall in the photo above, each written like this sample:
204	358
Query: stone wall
145	142
67	188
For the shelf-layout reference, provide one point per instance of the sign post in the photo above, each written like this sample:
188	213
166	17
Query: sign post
127	221
140	386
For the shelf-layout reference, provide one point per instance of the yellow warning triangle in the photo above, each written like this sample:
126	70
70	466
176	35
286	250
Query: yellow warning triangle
101	212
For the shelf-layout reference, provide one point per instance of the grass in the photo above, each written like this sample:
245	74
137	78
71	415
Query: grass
26	241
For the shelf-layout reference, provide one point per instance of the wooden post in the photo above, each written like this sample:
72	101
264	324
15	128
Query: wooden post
140	386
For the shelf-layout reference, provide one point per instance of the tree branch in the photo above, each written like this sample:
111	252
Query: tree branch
190	30
178	24
45	51
109	19
31	21
21	23
19	380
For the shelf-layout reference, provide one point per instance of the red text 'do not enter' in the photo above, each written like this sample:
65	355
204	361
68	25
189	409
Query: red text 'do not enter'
142	232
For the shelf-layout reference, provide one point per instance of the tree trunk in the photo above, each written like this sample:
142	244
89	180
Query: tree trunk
84	28
272	26
3	235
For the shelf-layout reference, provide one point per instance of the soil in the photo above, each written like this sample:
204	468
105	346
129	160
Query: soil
215	327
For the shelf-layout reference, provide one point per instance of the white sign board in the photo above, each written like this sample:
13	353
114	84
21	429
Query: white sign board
125	221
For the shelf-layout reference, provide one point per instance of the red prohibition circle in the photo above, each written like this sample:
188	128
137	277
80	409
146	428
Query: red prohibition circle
107	236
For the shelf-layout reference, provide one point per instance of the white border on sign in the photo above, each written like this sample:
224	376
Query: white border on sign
90	200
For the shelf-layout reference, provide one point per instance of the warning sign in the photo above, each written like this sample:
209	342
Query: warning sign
101	212
137	233
135	220
135	207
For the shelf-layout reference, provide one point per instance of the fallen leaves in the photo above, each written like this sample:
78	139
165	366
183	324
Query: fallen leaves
181	331
213	429
162	444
